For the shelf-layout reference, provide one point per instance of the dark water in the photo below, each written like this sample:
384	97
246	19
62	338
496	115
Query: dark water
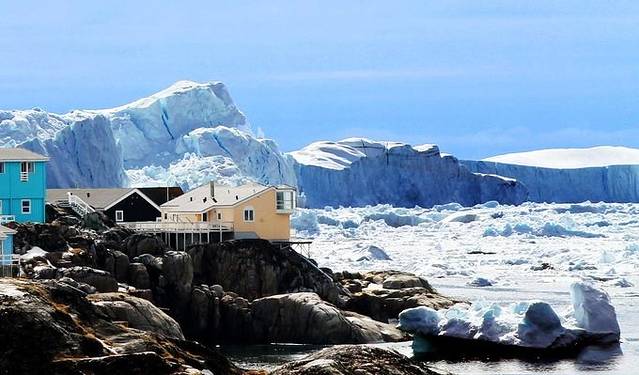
619	362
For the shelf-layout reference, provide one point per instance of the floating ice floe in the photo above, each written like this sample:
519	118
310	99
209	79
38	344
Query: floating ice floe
516	329
370	253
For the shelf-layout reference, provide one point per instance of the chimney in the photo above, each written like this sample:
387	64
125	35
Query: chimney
212	188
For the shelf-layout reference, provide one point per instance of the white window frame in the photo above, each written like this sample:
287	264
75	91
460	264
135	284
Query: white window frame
219	216
22	202
119	213
287	203
251	217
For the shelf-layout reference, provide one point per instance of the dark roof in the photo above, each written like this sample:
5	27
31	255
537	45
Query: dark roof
159	194
20	154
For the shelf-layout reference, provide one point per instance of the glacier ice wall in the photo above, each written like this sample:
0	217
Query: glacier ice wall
616	183
186	134
359	172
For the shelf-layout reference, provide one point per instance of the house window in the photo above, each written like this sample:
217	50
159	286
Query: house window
1	167
219	216
25	169
249	214
285	200
26	206
119	216
205	216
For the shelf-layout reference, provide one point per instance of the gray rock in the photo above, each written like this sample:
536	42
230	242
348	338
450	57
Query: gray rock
101	280
139	276
45	272
401	281
305	318
355	360
140	243
137	312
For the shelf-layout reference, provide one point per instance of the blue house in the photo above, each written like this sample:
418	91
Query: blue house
23	185
6	247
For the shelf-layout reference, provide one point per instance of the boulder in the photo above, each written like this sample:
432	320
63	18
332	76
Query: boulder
355	360
138	276
305	318
101	280
257	268
137	312
45	236
371	295
141	243
403	281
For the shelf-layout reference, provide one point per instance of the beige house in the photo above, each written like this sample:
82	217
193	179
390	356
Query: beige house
248	211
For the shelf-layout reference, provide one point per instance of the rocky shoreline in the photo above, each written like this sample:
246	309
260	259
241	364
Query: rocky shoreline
108	299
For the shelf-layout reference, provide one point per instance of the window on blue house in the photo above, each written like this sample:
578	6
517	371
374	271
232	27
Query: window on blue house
26	206
1	167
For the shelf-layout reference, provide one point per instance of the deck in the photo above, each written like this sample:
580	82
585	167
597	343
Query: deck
179	235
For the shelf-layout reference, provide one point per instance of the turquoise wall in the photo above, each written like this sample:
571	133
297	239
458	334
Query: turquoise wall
7	249
13	191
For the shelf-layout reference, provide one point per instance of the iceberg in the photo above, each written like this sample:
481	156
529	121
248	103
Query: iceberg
360	172
521	328
184	135
606	173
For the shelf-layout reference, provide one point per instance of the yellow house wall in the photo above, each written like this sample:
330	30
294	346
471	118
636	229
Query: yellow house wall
267	223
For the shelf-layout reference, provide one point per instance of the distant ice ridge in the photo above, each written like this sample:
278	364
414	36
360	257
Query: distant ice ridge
525	324
359	172
606	173
186	134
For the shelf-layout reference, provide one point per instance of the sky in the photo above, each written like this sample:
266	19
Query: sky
478	78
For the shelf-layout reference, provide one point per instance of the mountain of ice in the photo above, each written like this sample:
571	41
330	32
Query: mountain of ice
186	134
359	172
609	174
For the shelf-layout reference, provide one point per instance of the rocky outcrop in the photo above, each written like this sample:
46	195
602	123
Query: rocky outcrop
137	313
50	327
257	268
305	318
218	317
139	243
102	281
356	360
382	295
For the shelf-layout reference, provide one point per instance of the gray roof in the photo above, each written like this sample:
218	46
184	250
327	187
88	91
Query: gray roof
20	154
199	199
96	198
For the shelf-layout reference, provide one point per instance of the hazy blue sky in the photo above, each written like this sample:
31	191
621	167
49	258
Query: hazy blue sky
477	77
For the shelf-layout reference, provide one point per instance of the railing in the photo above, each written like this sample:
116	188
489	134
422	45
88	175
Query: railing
9	265
182	227
24	176
7	219
79	206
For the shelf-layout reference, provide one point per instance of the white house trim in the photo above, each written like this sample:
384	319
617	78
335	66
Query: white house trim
128	195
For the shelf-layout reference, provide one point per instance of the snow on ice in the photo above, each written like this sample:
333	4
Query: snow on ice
531	324
504	244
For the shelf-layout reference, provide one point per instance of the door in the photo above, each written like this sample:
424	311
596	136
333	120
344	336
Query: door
205	216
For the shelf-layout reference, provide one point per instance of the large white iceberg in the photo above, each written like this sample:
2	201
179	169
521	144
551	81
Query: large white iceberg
527	325
186	134
359	172
605	173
